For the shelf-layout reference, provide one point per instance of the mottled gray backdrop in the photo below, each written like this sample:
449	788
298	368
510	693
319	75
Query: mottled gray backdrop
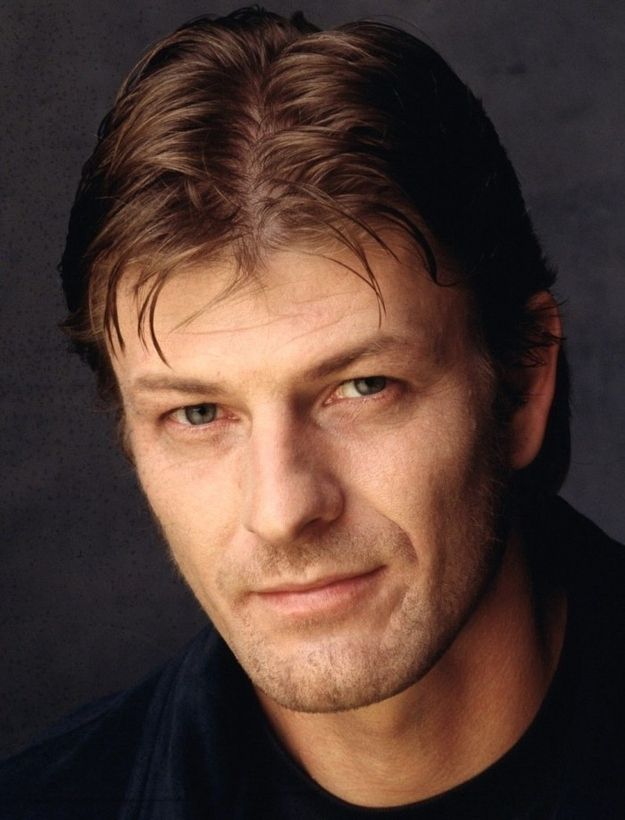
88	602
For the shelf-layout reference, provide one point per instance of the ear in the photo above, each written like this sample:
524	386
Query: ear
536	382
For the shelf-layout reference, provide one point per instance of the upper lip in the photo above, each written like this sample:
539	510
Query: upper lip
318	583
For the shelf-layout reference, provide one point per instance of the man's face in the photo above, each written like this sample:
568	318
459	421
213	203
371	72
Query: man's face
325	482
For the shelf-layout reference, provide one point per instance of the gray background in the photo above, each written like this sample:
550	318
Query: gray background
88	602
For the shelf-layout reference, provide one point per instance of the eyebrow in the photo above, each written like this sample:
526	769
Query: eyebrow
340	361
365	350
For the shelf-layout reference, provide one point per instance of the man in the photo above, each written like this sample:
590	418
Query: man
300	264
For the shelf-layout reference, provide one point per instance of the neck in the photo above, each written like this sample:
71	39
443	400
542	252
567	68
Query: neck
461	717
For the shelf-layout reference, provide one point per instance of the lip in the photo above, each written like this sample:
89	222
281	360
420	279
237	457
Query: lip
331	593
327	580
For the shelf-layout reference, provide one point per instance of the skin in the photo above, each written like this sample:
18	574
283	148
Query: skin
340	527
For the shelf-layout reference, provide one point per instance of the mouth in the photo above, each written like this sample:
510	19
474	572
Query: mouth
328	594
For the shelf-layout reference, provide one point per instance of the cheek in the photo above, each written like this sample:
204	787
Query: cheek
194	504
420	473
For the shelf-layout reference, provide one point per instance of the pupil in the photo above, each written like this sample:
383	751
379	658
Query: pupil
200	413
371	384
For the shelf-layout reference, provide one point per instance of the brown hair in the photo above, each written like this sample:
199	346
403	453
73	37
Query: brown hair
245	133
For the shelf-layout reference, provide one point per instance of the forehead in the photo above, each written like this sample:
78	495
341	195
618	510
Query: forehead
299	304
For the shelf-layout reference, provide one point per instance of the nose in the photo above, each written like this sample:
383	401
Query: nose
291	489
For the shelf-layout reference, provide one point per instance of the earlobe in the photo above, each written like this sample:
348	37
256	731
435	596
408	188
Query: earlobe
537	383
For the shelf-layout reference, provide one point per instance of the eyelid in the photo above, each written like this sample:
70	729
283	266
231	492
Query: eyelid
388	383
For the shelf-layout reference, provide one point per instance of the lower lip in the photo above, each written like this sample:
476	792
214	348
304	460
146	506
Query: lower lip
330	598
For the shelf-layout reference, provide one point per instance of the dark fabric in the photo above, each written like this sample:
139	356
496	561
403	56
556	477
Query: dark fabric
190	741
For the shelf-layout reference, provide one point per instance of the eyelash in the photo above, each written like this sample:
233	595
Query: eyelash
389	389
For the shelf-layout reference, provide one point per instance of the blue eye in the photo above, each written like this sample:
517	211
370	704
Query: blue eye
367	386
196	414
370	384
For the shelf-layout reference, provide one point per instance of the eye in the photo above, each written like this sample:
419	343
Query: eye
194	415
363	387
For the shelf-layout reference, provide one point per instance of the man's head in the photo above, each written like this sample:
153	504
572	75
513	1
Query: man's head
290	441
264	199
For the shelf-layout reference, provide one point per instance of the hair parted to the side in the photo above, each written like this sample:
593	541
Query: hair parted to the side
244	134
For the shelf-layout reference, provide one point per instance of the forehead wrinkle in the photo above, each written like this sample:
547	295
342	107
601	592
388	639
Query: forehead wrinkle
216	331
276	315
257	288
321	327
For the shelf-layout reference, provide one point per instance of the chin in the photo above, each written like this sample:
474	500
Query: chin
335	677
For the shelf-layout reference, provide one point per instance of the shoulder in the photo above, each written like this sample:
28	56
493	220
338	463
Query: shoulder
86	760
85	757
591	566
574	548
